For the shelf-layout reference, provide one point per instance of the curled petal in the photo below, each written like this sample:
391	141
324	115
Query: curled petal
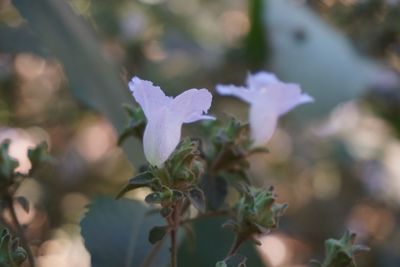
190	105
288	96
151	98
261	80
240	92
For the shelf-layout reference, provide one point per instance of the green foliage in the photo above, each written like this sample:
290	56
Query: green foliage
7	166
39	155
228	159
230	148
9	178
11	253
135	126
197	198
157	233
116	233
340	253
177	179
257	212
257	46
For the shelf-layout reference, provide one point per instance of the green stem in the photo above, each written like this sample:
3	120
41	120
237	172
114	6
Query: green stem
152	254
174	223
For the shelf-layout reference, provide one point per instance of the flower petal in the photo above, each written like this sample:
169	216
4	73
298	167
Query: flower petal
161	137
151	98
263	122
238	91
288	96
190	105
261	80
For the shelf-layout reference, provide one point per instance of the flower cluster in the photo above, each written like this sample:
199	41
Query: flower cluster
199	172
268	97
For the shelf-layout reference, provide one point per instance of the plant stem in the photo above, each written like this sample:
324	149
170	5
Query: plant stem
20	230
173	248
152	254
235	245
174	222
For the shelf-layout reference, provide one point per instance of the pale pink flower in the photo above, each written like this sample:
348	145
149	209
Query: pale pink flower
165	116
269	98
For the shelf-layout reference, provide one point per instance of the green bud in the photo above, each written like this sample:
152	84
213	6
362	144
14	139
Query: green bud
184	167
340	253
258	212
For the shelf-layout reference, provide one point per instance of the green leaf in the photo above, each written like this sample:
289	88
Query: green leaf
157	233
92	76
38	155
165	211
7	163
136	124
116	233
140	180
11	254
206	253
197	198
154	198
215	189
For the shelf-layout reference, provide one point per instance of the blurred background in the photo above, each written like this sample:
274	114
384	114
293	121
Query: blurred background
64	68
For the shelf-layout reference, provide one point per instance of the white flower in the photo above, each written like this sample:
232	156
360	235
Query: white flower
269	98
165	116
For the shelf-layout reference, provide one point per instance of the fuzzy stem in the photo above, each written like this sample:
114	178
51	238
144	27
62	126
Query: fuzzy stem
174	223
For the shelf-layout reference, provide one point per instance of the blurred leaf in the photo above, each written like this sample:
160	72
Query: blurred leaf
116	233
20	39
197	198
257	47
154	198
210	231
216	190
157	233
93	78
335	72
140	180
